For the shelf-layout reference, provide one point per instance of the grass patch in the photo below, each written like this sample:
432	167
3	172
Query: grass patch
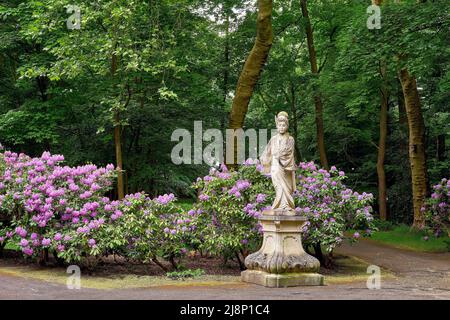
403	237
180	275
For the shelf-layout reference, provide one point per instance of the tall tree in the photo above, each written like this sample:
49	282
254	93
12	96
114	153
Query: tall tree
116	122
253	66
384	103
417	146
320	132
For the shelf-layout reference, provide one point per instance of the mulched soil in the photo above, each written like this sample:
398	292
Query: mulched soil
110	266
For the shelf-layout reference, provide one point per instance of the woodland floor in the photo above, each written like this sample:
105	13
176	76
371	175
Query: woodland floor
405	275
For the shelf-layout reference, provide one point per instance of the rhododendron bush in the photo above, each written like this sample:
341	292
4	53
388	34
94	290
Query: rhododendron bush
46	206
155	228
234	201
229	204
331	208
437	209
49	207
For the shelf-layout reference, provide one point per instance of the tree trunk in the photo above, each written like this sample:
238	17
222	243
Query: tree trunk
295	123
440	147
417	155
173	262
402	118
253	67
226	77
319	255
241	263
290	99
59	261
382	189
226	67
320	132
159	264
118	139
43	259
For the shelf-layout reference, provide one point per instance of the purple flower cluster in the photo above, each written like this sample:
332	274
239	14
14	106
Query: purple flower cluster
240	186
54	198
165	199
437	209
330	206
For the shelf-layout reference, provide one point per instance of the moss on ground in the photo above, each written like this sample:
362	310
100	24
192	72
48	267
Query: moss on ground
351	269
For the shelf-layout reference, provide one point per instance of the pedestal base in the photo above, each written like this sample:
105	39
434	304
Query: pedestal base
281	260
272	280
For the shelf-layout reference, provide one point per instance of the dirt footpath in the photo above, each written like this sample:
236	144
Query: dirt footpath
418	276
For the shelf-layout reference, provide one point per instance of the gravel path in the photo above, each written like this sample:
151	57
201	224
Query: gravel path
418	276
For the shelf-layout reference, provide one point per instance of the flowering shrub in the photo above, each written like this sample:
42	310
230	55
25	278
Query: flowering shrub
231	202
437	209
62	209
331	207
43	199
154	228
228	208
46	206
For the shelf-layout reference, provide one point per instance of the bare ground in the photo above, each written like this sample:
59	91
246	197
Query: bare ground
417	276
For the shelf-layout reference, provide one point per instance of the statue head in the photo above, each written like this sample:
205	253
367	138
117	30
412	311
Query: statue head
282	122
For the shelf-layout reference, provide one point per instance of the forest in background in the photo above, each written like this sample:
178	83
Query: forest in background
137	70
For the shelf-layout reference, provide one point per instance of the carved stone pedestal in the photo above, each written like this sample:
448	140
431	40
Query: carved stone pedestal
281	261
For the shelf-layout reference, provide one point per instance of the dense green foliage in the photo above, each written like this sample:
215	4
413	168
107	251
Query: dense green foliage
234	200
178	61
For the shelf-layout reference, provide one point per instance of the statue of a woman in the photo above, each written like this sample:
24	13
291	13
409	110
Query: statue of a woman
278	160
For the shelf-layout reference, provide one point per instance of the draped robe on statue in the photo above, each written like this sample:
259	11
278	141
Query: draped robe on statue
278	160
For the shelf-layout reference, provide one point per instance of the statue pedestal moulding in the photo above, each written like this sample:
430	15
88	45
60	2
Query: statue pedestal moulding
281	261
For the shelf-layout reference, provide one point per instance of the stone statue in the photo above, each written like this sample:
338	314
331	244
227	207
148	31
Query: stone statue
281	261
278	160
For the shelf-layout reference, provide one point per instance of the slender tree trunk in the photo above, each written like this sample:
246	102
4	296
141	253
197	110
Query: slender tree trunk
440	147
173	262
403	130
253	67
402	118
43	259
320	132
43	82
226	75
159	264
294	121
319	254
226	67
417	155
239	260
295	124
382	188
118	138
